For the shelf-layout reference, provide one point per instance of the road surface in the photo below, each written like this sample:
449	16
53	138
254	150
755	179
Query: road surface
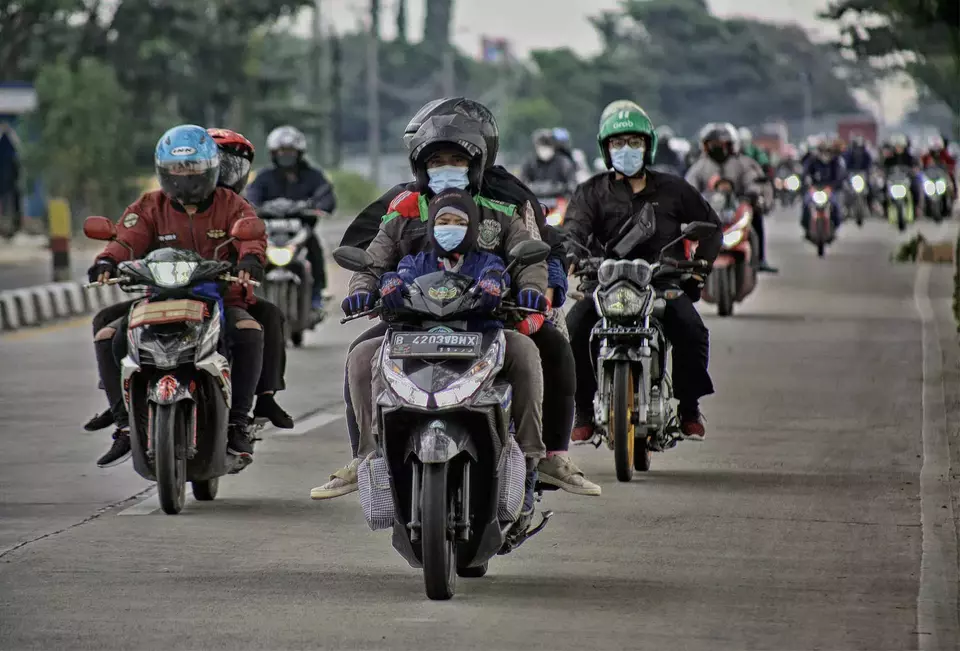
795	525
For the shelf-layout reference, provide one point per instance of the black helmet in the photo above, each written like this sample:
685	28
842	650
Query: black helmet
445	130
458	106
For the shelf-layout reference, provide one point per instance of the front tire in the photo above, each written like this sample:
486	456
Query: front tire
901	218
169	434
621	421
206	489
725	291
437	542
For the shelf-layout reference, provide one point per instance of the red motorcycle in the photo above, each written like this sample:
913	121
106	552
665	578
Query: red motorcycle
734	275
820	230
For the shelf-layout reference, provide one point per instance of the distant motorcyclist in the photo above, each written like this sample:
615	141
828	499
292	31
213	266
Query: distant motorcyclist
937	155
899	156
668	159
546	173
720	144
748	148
858	158
565	148
826	169
293	177
604	207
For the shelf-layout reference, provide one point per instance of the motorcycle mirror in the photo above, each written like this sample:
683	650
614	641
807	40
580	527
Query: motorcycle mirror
696	230
248	229
529	252
352	258
99	228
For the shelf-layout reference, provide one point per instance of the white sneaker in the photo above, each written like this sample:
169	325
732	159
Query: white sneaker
560	471
342	482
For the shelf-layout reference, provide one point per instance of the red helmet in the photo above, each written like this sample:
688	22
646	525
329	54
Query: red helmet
236	158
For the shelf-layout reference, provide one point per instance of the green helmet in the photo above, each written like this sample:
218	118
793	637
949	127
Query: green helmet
622	117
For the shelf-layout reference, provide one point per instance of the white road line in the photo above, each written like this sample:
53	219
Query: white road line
302	427
938	628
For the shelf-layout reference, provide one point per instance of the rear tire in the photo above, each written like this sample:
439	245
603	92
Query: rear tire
205	490
621	425
169	433
437	542
725	291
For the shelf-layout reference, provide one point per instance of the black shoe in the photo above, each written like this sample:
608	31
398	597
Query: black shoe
99	421
118	452
765	266
238	441
268	408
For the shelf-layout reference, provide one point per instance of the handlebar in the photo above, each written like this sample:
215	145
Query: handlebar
377	310
123	280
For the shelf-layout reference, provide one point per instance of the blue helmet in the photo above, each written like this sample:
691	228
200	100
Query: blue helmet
562	137
188	164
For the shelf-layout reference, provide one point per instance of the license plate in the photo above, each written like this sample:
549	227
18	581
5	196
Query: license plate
426	345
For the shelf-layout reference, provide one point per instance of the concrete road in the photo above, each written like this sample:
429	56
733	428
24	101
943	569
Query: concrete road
796	525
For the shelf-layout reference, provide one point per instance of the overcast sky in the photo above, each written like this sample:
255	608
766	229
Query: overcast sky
532	24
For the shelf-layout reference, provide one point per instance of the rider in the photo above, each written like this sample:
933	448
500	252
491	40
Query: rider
825	169
938	156
720	144
748	148
667	157
601	209
448	153
188	210
858	159
556	356
547	173
899	155
292	177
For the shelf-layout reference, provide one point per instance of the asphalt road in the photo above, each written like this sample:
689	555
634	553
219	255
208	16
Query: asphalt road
795	525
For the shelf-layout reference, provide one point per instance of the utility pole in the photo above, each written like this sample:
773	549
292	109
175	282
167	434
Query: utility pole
336	95
319	132
449	81
373	92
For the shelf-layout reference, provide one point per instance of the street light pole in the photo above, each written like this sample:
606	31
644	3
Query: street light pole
373	93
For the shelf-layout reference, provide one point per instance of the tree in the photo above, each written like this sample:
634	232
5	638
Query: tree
919	37
437	21
25	27
523	117
402	21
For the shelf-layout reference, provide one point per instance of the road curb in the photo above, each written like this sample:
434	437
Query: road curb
42	304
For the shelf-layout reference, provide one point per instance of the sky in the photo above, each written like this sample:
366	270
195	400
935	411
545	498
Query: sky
533	24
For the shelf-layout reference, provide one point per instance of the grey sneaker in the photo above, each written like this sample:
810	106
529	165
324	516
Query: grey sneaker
560	471
342	482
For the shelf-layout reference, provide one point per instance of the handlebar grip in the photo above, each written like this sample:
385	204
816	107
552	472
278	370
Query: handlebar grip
235	279
109	281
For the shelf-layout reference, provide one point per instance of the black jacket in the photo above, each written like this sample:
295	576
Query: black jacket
311	185
555	177
603	206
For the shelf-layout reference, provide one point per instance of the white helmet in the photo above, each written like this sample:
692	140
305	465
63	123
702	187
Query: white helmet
935	143
734	135
287	137
745	135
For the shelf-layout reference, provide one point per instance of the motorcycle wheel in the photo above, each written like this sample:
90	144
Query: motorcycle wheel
860	212
901	218
725	291
206	489
296	338
622	429
438	547
169	429
936	210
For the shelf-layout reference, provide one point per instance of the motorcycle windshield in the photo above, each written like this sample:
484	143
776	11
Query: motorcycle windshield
441	294
638	272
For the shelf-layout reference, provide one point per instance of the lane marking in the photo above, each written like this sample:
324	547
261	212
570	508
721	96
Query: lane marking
938	628
31	332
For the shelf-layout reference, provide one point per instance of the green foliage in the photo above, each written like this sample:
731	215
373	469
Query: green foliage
354	191
84	134
523	117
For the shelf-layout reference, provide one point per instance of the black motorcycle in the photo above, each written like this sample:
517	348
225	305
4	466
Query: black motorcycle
448	475
176	379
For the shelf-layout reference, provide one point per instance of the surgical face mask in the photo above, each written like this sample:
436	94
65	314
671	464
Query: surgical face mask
447	177
545	153
449	236
286	160
627	160
718	153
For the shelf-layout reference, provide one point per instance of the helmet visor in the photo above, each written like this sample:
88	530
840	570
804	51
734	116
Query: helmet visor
185	184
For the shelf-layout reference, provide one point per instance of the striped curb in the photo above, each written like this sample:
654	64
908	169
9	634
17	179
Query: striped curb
41	304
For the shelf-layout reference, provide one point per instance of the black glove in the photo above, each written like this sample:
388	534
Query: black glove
252	265
103	265
692	287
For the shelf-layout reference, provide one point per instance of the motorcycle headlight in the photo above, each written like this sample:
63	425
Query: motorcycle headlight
930	187
793	183
621	301
898	191
172	274
279	256
941	186
820	198
857	183
733	237
468	383
400	383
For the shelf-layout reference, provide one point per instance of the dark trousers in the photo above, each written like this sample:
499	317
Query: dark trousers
556	358
761	235
315	256
691	352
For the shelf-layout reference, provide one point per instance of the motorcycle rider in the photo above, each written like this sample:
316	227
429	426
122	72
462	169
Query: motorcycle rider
188	209
293	177
449	153
825	169
720	144
747	148
858	158
668	159
938	156
556	356
601	209
547	173
899	155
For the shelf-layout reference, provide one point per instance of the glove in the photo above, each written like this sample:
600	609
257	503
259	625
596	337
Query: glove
705	266
491	293
357	302
407	204
392	290
252	265
531	325
101	266
532	299
692	287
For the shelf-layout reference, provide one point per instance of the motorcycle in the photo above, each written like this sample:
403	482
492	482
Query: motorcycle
553	197
938	189
555	210
900	208
734	275
448	476
820	230
632	408
786	185
288	282
857	197
176	382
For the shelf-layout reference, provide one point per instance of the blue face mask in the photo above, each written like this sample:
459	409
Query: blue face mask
447	177
627	160
449	236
